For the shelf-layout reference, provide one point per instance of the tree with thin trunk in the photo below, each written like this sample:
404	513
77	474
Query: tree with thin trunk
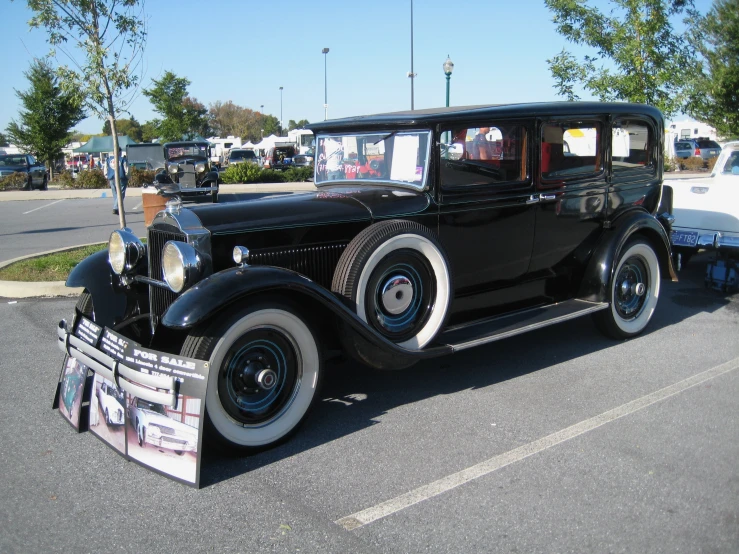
638	56
102	43
47	117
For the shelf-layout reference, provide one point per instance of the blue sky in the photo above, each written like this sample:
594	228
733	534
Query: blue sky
245	50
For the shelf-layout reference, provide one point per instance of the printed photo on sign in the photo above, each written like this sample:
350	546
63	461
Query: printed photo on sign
72	385
108	413
165	438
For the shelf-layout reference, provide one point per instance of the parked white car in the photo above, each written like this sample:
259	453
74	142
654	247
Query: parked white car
154	427
706	210
110	403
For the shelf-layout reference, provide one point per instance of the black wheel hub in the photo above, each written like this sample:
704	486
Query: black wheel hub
400	293
258	376
631	288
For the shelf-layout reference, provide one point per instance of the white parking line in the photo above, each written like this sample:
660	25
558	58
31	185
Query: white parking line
445	484
137	206
42	207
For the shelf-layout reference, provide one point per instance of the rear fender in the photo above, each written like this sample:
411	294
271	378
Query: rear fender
236	286
594	286
108	298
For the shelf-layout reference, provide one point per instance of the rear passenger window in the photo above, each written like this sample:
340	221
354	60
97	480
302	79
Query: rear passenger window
492	153
571	149
632	146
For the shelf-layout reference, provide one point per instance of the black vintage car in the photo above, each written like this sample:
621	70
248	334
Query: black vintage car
187	164
430	232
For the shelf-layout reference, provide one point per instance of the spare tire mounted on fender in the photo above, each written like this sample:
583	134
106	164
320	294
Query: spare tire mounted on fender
396	277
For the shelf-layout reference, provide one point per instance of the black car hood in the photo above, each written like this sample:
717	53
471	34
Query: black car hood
333	204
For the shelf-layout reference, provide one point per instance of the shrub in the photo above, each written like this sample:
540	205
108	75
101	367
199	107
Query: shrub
693	163
671	164
16	181
712	163
65	179
140	177
296	174
241	173
90	179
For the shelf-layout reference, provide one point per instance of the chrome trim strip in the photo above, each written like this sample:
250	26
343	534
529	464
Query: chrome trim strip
150	281
596	307
164	398
154	381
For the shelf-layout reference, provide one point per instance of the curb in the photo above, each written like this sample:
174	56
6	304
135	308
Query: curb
39	289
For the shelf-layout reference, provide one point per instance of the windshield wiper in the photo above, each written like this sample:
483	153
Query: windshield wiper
385	138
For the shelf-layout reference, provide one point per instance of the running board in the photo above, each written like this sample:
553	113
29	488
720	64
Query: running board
489	330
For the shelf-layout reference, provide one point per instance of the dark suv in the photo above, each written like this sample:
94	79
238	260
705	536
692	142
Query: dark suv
430	232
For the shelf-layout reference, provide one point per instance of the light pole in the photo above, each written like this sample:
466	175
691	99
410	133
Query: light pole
262	108
411	74
325	84
280	111
448	68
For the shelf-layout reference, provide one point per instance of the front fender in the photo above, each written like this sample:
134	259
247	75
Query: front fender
94	274
234	285
598	274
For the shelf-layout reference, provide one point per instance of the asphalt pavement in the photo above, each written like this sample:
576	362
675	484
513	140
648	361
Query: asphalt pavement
558	440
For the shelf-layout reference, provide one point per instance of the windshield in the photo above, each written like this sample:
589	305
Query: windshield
12	160
146	405
186	150
242	154
391	156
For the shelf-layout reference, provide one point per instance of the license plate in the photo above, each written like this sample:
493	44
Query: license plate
685	238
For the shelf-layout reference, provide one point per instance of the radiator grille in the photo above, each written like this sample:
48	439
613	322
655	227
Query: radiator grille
159	298
315	262
187	176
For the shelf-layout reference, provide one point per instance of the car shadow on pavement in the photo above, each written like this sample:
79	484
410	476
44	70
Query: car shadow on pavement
353	397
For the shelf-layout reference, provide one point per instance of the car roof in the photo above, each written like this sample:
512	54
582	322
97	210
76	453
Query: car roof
187	143
430	117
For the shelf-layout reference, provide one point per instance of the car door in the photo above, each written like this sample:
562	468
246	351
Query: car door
571	191
486	218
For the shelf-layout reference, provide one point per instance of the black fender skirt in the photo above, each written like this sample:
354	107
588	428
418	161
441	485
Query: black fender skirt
94	274
232	285
594	286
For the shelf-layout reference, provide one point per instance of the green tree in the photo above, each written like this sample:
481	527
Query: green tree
3	140
128	127
638	57
150	131
292	124
108	37
181	114
714	89
47	116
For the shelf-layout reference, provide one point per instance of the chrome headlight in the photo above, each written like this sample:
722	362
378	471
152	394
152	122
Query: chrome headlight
200	167
125	251
173	168
182	265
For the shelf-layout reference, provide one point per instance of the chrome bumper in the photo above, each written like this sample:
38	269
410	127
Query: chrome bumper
158	389
719	241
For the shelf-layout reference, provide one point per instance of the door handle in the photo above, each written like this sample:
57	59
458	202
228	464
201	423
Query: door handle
533	199
547	197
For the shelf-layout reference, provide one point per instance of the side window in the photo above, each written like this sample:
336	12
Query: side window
632	147
492	153
31	160
571	149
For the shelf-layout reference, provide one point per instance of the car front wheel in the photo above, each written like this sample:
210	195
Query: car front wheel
265	370
633	292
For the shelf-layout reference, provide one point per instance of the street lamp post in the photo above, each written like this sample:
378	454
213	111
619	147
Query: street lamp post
280	111
448	68
411	74
262	108
325	84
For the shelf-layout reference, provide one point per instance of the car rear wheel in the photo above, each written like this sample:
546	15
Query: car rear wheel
633	292
265	369
45	183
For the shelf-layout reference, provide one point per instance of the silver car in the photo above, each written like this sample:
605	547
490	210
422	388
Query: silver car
704	148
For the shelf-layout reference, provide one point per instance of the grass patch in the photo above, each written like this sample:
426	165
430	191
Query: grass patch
52	267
